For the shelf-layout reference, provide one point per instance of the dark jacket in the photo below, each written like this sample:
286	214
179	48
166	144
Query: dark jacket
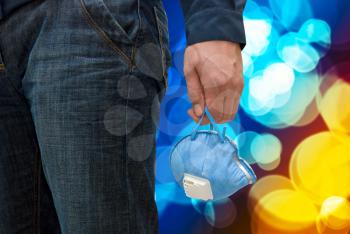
206	20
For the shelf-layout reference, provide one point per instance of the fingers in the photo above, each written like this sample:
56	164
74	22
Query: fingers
230	108
234	92
222	82
195	91
196	95
232	99
214	86
215	102
205	119
213	72
194	88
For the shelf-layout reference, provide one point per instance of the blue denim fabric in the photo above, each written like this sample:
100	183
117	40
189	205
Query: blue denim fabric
81	83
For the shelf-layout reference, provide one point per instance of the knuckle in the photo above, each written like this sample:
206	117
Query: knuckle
238	82
227	118
187	71
217	78
222	80
231	117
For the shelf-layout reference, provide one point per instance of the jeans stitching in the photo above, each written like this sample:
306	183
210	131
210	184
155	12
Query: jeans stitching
115	22
105	37
36	179
13	88
160	38
133	50
36	192
126	153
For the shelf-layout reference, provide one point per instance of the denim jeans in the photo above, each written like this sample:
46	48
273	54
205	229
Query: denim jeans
81	83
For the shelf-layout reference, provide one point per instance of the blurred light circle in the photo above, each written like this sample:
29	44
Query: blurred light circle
297	53
199	205
187	130
248	64
285	211
280	77
310	114
270	166
266	150
163	171
233	128
281	99
334	107
295	102
167	193
174	81
170	123
343	138
221	213
148	59
335	213
178	60
323	229
164	194
291	14
257	36
266	185
140	147
244	141
114	120
137	92
261	91
320	167
258	107
316	31
259	97
302	94
176	106
254	11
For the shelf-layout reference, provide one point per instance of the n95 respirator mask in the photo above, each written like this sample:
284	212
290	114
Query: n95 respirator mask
206	164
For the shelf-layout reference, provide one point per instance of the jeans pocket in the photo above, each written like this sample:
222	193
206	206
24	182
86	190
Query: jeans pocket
163	36
110	22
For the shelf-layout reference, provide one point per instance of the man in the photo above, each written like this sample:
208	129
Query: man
81	82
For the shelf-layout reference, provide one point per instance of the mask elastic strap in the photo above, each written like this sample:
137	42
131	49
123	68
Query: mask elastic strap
212	124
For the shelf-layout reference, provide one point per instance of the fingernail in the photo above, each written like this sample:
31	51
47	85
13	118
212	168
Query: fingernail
198	110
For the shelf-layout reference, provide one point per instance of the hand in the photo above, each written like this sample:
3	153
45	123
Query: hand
213	72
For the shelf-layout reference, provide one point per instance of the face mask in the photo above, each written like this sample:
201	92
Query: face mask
206	165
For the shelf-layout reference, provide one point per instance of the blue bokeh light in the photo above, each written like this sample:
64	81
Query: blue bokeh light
285	42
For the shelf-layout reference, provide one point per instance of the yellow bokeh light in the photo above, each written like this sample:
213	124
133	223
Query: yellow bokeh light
320	166
335	213
266	185
284	211
334	107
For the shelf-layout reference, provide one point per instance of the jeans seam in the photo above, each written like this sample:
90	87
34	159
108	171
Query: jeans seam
36	192
137	35
160	38
126	154
133	50
103	35
17	92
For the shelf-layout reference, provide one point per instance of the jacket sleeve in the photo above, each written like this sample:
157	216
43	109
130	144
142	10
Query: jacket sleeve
207	20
